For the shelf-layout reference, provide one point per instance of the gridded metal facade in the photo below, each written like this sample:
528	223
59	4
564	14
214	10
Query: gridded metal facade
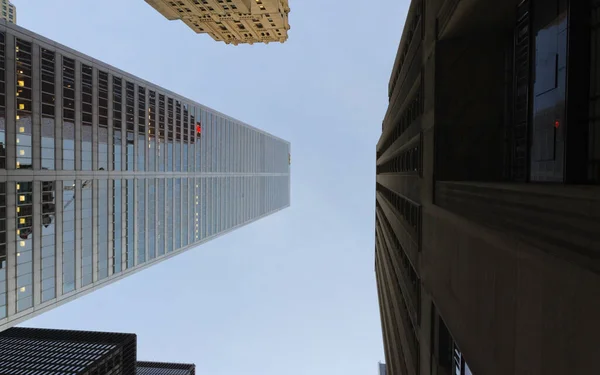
43	351
103	174
49	351
158	368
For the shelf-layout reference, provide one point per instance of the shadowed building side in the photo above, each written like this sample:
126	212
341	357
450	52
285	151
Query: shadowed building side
487	196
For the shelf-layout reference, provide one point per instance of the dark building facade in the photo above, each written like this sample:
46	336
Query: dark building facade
48	351
160	368
488	196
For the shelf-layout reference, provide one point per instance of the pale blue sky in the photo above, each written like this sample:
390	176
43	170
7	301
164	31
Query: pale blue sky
294	293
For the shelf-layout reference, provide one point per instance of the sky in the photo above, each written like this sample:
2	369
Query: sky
295	292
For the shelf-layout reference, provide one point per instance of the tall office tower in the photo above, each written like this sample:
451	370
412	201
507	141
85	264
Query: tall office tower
104	174
487	242
50	351
9	11
231	21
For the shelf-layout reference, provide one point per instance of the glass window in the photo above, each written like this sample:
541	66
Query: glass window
86	117
2	105
160	149
197	142
48	92
23	102
68	131
197	193
151	218
130	214
117	220
170	135
160	236
203	208
103	121
177	213
151	131
184	211
68	246
130	151
129	120
141	221
169	217
24	240
48	246
102	236
141	154
117	121
2	250
87	230
177	140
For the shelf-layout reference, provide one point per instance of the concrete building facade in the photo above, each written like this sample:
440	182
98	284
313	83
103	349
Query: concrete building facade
9	12
103	174
231	21
488	204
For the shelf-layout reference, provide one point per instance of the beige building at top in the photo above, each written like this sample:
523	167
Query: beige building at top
231	21
9	11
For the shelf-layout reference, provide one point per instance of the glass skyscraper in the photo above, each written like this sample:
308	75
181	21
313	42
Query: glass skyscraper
103	174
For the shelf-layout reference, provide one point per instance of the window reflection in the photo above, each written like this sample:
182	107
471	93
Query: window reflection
209	206
102	234
152	131
177	140
23	100
169	217
86	233
24	241
204	204
197	145
2	250
141	152
68	251
129	115
2	112
170	135
117	122
151	218
185	134
161	151
68	130
48	101
86	117
130	213
48	246
184	213
196	220
141	221
177	213
117	220
160	236
103	121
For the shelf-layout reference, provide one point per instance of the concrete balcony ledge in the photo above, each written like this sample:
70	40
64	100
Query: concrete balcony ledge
559	219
